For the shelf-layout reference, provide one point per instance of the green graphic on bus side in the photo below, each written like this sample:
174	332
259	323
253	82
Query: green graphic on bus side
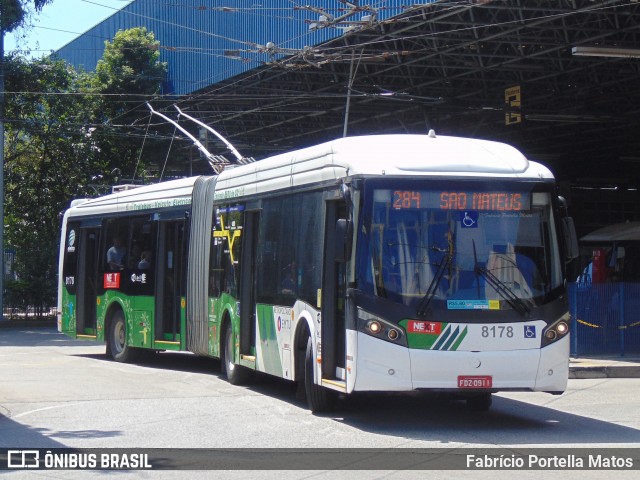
449	338
270	350
138	311
220	308
69	303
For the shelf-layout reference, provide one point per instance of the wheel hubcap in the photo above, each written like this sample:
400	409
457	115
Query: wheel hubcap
119	337
229	352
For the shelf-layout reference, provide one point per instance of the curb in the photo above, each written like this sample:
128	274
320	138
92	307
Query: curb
605	371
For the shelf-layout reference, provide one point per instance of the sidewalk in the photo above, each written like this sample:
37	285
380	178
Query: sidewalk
613	366
28	323
605	367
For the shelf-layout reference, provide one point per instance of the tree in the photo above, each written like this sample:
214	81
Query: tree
128	75
66	131
50	158
14	12
12	15
130	67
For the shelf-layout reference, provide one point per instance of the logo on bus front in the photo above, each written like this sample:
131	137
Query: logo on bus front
71	241
432	328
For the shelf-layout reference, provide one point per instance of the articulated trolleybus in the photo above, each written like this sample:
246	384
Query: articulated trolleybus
379	263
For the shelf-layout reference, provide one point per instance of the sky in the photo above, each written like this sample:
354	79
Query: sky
60	22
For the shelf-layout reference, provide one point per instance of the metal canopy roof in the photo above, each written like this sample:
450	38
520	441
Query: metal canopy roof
446	66
620	232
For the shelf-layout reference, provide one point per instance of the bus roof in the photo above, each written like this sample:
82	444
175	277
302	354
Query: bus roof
374	155
404	155
174	193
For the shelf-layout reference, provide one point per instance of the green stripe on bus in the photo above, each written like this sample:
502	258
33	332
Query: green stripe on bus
457	343
451	338
443	338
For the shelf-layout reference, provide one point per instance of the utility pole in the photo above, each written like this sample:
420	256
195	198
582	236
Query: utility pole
1	168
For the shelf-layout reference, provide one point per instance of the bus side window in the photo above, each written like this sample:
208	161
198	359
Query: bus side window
226	240
142	245
115	256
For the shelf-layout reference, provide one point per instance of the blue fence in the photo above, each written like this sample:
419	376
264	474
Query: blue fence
605	318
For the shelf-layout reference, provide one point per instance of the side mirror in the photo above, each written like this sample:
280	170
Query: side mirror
342	244
570	238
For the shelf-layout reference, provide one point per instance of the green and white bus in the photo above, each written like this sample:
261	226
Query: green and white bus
378	263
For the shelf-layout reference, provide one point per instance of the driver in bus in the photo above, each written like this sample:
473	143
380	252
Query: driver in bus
115	255
289	281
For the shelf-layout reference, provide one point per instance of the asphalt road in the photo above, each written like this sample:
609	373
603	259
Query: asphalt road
57	392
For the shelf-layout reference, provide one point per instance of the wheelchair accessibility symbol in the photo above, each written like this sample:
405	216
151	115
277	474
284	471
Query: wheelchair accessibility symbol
529	331
469	219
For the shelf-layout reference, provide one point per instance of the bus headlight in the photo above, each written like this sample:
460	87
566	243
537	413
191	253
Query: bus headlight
557	330
562	328
374	326
382	329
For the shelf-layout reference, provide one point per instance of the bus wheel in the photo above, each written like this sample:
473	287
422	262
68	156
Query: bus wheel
120	350
236	374
480	403
319	399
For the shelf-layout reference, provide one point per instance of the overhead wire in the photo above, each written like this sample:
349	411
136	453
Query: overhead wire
173	24
364	44
325	49
321	49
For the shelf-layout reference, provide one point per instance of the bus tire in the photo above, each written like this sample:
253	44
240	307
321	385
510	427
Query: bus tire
319	399
480	403
236	374
117	344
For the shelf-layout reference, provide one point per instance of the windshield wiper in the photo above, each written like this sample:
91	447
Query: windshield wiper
499	286
433	286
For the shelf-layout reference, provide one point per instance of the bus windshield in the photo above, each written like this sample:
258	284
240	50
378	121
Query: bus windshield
467	245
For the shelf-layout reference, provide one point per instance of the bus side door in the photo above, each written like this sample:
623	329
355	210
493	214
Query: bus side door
169	279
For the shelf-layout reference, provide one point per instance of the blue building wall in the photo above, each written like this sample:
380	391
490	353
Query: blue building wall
194	34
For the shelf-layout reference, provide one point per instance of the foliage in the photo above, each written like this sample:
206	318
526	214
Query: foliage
48	159
130	67
62	141
128	75
14	12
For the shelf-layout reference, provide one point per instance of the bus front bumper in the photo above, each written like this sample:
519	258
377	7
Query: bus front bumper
383	366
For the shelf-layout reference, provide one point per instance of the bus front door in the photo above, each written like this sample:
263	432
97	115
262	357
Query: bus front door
247	289
333	298
87	282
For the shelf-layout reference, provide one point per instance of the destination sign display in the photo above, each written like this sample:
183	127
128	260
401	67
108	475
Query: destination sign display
501	201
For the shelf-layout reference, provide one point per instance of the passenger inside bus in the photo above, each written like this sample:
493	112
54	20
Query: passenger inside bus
145	260
115	255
